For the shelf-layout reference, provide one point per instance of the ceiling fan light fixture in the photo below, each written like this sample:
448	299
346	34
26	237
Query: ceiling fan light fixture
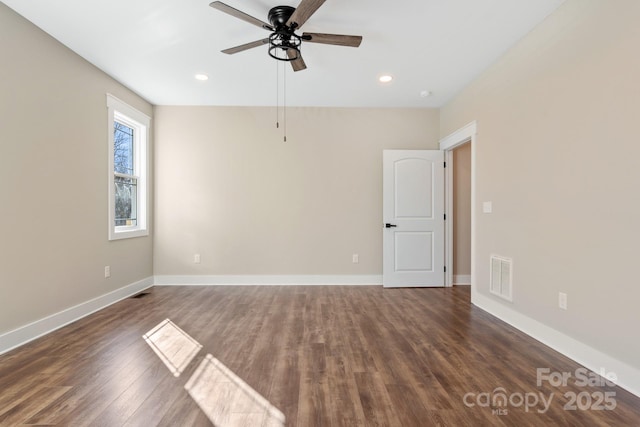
284	46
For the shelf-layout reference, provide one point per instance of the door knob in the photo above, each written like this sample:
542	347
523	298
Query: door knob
390	225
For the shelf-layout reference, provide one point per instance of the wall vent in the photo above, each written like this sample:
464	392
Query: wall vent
501	274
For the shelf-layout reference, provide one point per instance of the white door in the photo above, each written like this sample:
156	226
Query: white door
413	215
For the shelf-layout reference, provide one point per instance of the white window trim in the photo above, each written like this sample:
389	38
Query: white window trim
140	122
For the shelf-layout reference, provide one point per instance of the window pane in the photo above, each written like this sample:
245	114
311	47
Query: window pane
123	148
126	201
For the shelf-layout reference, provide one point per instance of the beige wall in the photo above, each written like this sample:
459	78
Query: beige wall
53	166
230	189
462	210
558	154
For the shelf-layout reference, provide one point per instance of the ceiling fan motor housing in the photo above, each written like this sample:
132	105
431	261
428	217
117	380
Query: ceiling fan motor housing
279	15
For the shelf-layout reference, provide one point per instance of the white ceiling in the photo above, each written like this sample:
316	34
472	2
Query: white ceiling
156	47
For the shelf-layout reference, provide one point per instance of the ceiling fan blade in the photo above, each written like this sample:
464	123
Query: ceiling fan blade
240	15
244	47
303	12
296	64
336	39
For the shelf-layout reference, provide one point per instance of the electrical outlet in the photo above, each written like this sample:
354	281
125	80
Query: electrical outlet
196	259
355	258
562	300
107	272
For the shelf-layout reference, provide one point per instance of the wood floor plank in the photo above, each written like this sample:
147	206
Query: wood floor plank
313	409
162	400
319	355
23	411
346	409
377	407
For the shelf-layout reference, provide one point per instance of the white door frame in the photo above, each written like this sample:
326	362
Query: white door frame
462	136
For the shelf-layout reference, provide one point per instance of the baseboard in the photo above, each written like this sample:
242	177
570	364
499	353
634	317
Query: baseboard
30	332
269	280
461	279
628	377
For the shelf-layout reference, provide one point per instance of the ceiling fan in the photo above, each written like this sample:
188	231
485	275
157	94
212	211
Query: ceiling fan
284	43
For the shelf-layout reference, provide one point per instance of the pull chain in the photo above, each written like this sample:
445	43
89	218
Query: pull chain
284	99
285	104
277	95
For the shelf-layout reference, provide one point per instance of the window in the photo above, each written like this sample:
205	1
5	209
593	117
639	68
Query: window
128	146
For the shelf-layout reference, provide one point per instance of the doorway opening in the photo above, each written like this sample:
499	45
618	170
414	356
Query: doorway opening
461	215
463	137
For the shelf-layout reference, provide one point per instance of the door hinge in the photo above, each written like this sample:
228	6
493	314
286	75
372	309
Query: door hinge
445	164
445	268
445	217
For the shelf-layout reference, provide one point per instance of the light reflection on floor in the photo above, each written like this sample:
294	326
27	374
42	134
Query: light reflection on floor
174	346
223	396
229	401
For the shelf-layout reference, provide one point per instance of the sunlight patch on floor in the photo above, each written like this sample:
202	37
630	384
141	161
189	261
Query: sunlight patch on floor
227	400
172	345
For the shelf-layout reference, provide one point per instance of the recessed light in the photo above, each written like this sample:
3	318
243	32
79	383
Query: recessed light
425	93
385	79
201	77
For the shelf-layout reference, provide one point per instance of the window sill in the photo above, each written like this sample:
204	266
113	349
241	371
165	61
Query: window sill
127	234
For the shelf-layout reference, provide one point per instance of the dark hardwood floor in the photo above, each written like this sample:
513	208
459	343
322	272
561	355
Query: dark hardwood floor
308	355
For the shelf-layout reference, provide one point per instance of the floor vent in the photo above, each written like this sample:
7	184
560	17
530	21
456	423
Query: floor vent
501	272
141	295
